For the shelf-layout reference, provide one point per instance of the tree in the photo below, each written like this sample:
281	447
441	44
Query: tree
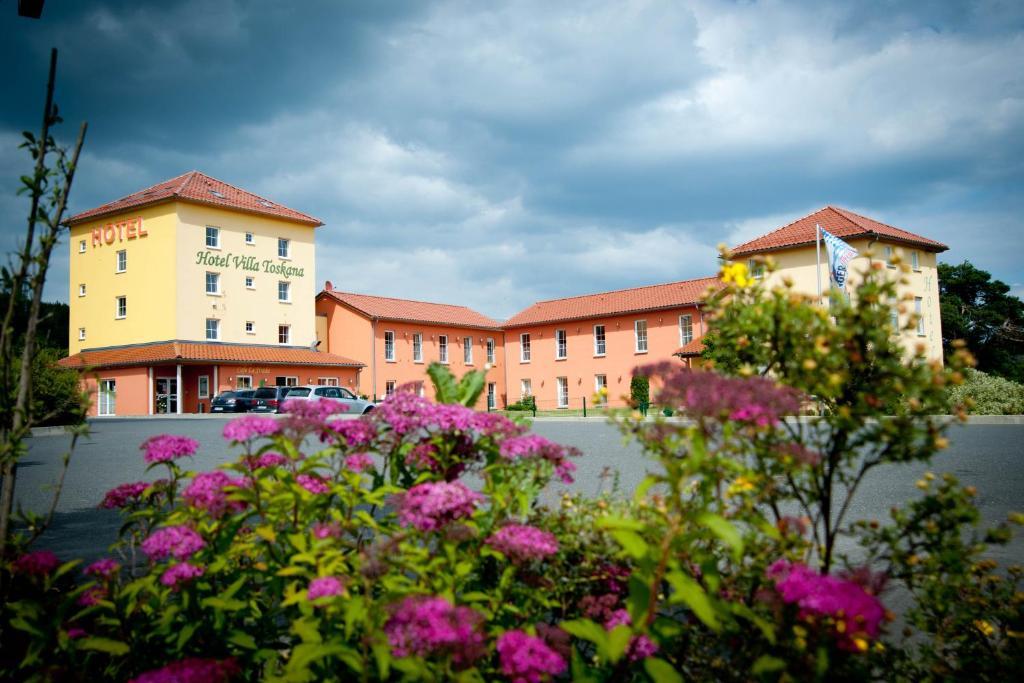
982	312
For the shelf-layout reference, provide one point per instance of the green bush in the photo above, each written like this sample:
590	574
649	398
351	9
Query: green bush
640	390
57	398
985	394
526	403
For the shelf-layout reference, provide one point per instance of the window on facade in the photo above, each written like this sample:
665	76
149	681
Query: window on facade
887	256
490	351
524	347
107	397
249	239
81	334
81	290
600	346
919	310
417	347
442	348
561	344
563	391
685	329
122	260
284	291
250	327
122	307
286	381
81	246
204	386
915	260
467	350
756	269
601	389
212	328
250	282
283	248
284	334
243	381
389	387
894	318
525	388
213	283
492	395
389	345
212	237
327	381
640	335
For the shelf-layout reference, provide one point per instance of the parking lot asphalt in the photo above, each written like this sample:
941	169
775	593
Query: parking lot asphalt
987	456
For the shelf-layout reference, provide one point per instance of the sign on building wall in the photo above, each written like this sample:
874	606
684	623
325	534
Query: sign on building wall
249	263
121	231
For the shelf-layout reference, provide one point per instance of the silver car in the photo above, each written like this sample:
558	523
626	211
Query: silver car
356	405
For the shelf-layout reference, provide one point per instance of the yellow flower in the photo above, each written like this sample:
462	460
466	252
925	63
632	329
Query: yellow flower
861	643
986	628
740	486
736	272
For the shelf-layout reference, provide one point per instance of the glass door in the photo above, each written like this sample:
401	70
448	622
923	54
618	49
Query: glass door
107	397
166	395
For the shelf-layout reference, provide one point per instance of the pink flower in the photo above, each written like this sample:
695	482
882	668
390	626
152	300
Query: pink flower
38	563
167	447
522	543
103	569
527	659
423	456
179	573
353	433
324	530
306	416
313	483
266	460
431	505
92	596
208	491
324	587
432	626
123	495
75	632
192	670
358	462
640	646
177	541
250	427
534	447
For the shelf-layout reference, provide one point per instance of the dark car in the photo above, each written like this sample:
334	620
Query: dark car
238	401
269	399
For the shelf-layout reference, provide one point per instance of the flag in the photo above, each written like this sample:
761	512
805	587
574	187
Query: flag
839	256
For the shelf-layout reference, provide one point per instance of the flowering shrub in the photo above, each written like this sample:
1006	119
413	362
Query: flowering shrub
410	543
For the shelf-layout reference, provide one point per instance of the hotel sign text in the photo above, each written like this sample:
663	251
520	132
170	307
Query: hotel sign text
250	263
122	230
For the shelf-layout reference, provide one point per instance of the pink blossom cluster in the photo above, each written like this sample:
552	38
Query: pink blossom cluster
266	460
534	447
358	433
528	659
177	541
324	587
123	495
322	530
250	427
521	543
424	456
167	447
103	569
180	573
432	626
313	483
192	670
92	596
309	416
640	646
407	413
36	563
821	595
432	505
209	491
357	462
756	401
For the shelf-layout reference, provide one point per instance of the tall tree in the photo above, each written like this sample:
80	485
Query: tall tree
982	312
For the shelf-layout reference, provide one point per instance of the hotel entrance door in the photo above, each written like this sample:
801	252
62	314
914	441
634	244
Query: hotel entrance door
166	395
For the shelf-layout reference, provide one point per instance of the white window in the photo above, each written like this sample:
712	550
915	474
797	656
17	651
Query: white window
212	237
389	387
283	248
563	391
284	291
389	345
887	256
919	310
212	328
755	268
243	381
492	395
122	260
561	345
284	334
894	318
600	346
81	334
122	307
601	389
250	282
525	388
417	347
915	260
204	386
467	350
213	283
286	381
685	329
490	351
442	348
250	327
249	239
524	347
107	397
327	381
81	246
81	290
640	334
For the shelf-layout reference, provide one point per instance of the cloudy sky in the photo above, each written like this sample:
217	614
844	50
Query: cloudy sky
497	153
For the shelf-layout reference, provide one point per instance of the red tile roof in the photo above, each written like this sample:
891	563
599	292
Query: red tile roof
690	349
650	298
185	352
839	222
406	310
197	188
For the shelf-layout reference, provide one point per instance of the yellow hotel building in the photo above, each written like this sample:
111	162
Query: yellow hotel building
191	287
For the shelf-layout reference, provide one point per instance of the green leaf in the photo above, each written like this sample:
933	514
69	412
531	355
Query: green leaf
691	592
586	629
618	641
725	531
631	543
222	604
186	633
111	647
242	639
767	664
661	671
615	522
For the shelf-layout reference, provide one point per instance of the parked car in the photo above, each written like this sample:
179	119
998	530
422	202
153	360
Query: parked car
269	399
356	405
237	401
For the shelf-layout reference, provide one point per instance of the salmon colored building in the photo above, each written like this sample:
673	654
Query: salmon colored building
190	287
398	338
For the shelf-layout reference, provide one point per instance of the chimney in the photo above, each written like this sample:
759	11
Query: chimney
328	287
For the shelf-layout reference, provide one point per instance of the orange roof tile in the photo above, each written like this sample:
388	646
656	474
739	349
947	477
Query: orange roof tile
406	310
185	352
649	298
197	188
690	349
839	222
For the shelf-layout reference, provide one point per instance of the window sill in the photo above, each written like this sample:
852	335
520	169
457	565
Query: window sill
523	362
600	355
639	353
213	294
390	360
284	258
418	362
120	317
558	360
120	272
214	248
250	244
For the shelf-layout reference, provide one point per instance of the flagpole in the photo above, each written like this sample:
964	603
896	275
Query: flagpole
817	247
